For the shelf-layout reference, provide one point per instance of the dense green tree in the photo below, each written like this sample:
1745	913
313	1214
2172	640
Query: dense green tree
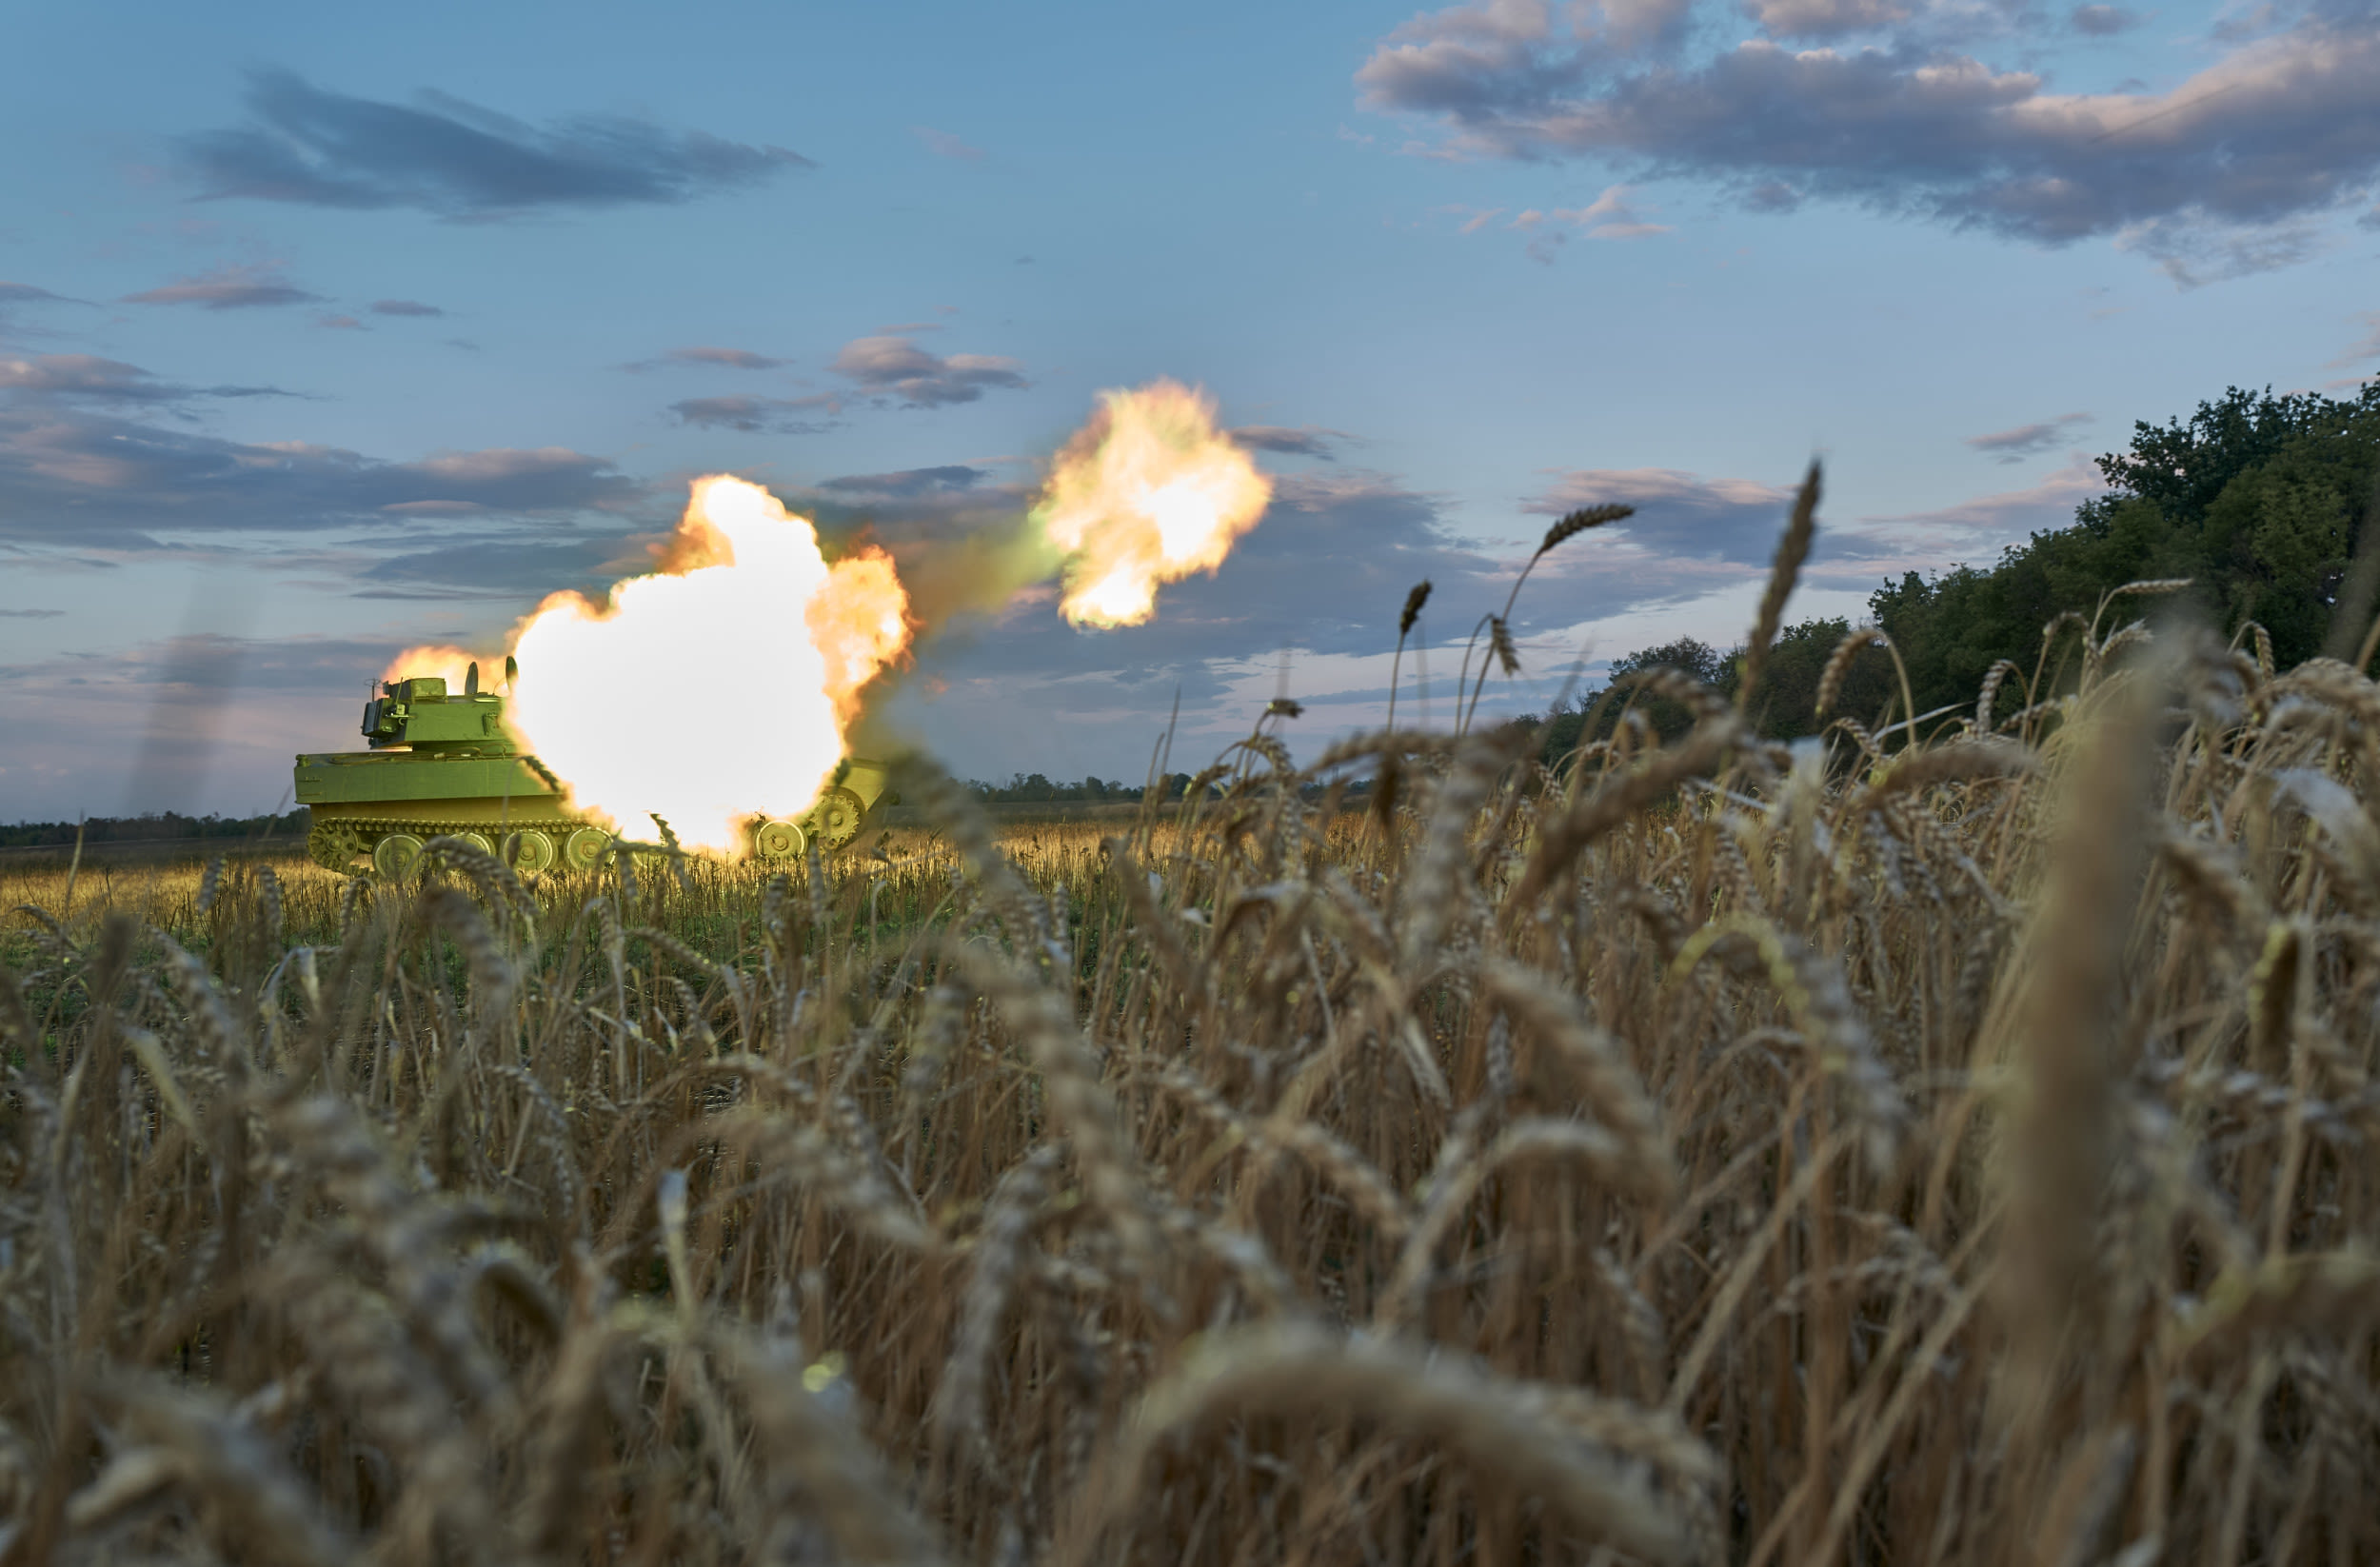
1601	707
2258	499
1787	703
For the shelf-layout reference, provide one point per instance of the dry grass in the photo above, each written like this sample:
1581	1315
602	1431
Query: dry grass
1705	1154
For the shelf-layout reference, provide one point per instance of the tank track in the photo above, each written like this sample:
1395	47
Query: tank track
357	834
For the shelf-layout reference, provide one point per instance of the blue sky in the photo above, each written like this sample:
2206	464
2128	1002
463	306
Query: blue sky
326	329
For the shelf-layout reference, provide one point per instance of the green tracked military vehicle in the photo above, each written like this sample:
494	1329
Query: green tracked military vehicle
442	763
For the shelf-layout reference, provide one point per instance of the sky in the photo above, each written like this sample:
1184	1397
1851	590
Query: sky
326	331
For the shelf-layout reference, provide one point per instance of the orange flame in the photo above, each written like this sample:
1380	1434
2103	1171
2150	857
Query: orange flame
1147	492
860	623
437	658
714	689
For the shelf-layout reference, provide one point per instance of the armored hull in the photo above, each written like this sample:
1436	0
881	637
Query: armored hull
444	765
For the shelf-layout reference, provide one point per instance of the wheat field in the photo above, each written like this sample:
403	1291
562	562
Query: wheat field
1954	1150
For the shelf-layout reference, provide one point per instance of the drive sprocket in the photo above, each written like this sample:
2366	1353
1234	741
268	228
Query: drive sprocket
334	847
837	817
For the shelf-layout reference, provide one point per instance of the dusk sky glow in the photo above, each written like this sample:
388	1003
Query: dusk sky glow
328	330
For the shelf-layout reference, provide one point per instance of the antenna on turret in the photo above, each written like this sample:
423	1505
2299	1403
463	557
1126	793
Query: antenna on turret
470	679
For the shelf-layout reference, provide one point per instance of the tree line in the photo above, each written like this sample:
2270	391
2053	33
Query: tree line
153	827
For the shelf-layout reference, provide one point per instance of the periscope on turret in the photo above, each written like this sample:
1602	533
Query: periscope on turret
443	763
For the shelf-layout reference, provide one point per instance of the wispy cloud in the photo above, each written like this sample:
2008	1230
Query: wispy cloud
305	144
709	358
894	368
88	378
507	568
240	287
25	293
1293	441
30	614
1609	216
910	484
1679	514
2103	21
2365	347
341	324
2007	516
70	477
1694	535
753	415
1474	218
2014	445
943	145
2234	170
405	308
1824	18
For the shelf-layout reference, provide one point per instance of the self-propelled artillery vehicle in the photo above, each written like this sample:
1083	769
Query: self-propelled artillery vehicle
443	763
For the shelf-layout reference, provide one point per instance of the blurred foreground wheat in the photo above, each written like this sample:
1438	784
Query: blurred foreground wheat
1881	1152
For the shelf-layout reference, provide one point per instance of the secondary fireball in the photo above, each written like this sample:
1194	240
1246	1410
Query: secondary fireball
1146	493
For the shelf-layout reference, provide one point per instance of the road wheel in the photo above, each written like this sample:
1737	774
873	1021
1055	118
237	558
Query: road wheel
476	840
583	849
396	855
777	841
529	852
837	818
334	848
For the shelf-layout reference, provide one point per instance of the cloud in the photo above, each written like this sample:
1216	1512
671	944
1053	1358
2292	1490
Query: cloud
303	145
526	568
1976	529
896	368
89	378
1608	216
2014	445
1694	535
405	308
30	614
1299	441
25	293
2206	178
1474	218
752	415
228	288
733	359
1823	18
943	145
909	485
77	479
1678	513
340	323
2103	21
2367	347
190	724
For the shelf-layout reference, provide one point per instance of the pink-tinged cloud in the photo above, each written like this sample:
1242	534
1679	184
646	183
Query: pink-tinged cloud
898	368
2244	165
943	145
244	287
